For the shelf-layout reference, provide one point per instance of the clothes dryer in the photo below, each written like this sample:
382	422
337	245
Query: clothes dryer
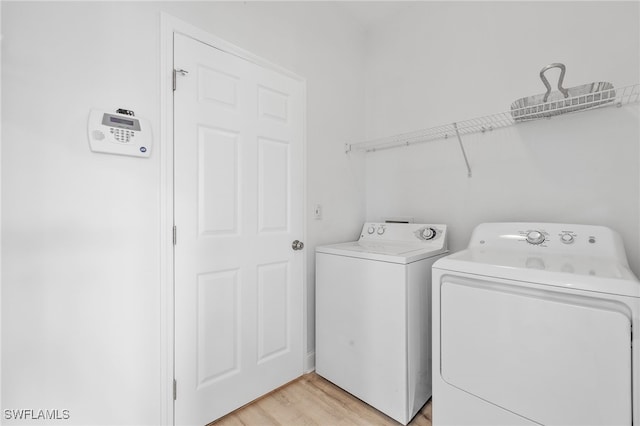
373	318
533	324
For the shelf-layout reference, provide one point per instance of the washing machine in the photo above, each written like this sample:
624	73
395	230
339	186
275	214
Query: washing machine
373	319
533	324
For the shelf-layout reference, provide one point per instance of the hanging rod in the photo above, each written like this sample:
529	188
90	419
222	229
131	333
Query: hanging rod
618	97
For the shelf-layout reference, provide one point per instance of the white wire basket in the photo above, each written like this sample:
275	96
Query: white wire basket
564	100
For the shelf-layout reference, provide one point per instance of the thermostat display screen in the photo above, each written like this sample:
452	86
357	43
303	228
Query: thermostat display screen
115	121
120	120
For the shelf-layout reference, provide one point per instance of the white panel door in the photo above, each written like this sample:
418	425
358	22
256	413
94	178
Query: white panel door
553	358
238	207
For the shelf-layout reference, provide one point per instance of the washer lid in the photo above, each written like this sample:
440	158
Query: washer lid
579	272
384	252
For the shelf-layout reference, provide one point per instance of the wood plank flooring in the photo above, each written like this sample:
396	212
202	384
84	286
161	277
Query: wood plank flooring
312	400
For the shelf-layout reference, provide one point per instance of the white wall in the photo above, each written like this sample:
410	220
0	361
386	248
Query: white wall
80	231
439	62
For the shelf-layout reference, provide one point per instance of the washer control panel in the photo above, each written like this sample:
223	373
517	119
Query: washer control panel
403	232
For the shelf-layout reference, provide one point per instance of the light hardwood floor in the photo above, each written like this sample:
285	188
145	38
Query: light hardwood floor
312	400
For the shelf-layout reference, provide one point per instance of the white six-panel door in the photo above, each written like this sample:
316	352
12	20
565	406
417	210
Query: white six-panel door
238	150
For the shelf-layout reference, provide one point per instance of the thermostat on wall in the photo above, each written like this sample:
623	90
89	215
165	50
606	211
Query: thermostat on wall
119	133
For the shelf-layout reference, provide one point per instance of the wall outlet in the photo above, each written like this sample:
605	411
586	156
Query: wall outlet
317	211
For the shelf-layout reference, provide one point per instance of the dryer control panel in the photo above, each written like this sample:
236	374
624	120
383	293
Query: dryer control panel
572	240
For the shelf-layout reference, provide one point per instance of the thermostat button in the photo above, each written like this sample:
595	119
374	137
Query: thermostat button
97	135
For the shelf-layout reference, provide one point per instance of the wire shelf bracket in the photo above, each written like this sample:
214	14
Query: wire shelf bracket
464	153
618	97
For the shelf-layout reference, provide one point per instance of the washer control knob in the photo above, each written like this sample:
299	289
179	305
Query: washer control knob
428	233
566	238
371	229
381	230
535	237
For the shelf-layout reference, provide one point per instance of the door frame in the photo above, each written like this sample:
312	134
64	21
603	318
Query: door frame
169	25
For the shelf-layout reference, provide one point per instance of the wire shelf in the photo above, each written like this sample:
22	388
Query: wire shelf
604	98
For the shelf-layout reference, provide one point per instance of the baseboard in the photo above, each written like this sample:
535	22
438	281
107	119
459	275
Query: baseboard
310	362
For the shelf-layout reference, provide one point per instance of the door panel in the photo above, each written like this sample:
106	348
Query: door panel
218	86
273	188
218	326
553	358
218	178
273	105
273	310
238	206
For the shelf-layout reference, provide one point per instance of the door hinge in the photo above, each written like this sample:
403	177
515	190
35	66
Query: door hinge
175	389
175	235
175	73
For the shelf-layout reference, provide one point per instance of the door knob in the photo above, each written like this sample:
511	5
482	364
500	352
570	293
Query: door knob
297	245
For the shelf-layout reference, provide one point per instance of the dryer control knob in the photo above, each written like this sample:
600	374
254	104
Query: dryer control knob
371	229
535	237
566	238
428	233
381	230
